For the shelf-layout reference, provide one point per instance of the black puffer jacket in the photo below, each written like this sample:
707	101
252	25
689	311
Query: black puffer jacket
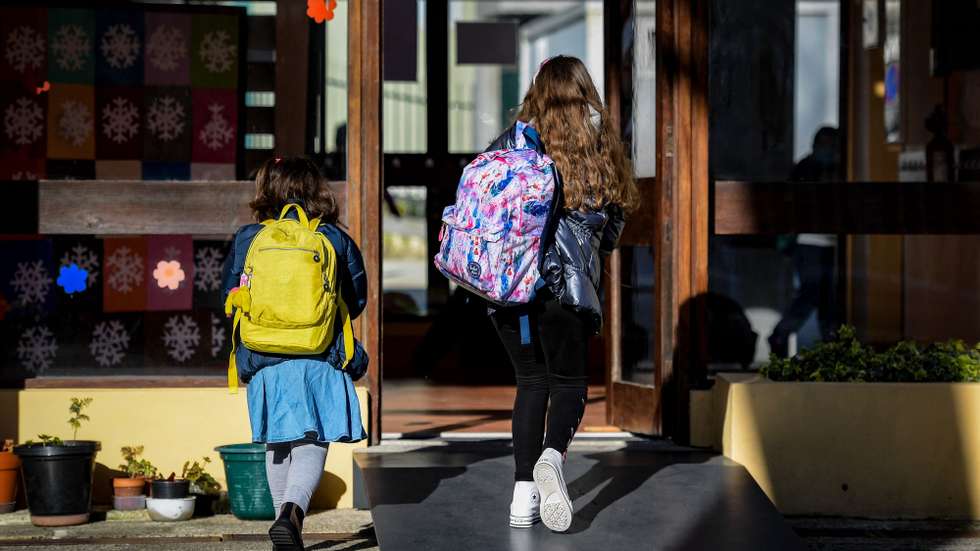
572	266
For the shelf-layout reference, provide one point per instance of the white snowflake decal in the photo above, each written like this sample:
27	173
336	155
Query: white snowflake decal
217	52
36	349
181	336
23	175
120	120
166	118
207	268
31	282
70	47
120	46
75	123
109	343
217	132
23	120
217	335
25	49
125	270
166	48
85	258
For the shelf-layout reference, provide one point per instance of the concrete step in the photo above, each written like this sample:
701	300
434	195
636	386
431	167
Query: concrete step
629	494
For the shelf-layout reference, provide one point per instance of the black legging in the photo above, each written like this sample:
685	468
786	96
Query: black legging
552	365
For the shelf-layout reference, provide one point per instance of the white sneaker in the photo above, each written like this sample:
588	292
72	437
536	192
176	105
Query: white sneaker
525	505
556	508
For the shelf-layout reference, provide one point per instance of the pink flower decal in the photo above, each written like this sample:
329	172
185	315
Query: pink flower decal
168	274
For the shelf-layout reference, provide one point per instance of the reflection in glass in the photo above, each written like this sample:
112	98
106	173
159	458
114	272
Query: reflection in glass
405	272
785	286
638	302
482	98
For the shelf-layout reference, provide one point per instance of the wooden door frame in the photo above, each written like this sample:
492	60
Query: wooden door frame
679	228
364	180
682	210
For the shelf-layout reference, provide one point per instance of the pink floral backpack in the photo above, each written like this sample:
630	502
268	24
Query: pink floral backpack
492	238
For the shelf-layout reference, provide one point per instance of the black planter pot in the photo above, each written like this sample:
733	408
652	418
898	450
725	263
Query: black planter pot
204	505
58	481
170	489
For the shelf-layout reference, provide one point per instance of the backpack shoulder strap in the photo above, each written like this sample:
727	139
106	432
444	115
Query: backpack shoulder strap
348	332
519	141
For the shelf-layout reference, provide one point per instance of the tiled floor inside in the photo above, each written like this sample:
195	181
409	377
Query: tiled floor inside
415	409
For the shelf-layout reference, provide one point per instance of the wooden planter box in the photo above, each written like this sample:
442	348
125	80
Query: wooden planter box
879	450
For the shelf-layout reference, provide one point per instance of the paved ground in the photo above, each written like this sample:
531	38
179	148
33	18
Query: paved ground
634	494
840	534
330	530
602	491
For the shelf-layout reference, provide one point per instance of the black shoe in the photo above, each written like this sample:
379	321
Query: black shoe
287	531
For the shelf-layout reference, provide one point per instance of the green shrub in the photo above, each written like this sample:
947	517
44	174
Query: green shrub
845	359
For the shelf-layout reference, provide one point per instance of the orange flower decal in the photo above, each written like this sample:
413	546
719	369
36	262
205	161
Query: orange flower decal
320	10
43	88
168	274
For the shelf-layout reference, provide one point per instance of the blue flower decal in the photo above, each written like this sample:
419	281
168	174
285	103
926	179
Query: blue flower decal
72	279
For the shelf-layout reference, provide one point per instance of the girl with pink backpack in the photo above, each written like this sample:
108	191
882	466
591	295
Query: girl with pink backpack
536	252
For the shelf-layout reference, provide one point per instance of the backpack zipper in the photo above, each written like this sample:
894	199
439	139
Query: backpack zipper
288	249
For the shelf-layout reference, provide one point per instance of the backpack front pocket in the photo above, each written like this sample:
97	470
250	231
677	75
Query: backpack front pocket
471	255
288	288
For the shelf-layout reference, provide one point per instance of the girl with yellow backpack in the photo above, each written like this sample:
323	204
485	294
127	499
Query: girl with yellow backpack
293	282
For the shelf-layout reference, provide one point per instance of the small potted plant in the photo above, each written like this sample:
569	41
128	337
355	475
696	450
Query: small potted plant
9	466
58	474
170	487
128	491
168	501
203	486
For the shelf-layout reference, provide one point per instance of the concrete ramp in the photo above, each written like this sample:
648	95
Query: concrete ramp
632	495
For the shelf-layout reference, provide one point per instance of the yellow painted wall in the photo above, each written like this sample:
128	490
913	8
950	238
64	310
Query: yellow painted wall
854	449
174	425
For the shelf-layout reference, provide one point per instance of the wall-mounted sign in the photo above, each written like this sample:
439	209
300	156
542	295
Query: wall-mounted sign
486	43
401	41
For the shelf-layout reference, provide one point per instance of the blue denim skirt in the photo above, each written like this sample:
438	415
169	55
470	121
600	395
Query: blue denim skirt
296	399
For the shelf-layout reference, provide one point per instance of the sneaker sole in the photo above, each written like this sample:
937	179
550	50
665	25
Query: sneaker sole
556	508
524	522
282	539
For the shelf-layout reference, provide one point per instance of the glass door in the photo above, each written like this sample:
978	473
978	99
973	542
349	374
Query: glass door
633	382
657	67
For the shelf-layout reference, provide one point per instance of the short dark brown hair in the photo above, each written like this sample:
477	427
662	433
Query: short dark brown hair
283	180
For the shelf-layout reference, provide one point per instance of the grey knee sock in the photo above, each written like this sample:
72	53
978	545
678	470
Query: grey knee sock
306	462
277	471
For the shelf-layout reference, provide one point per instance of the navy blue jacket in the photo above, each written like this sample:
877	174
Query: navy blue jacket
353	289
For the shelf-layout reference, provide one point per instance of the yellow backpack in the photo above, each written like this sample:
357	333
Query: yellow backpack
289	296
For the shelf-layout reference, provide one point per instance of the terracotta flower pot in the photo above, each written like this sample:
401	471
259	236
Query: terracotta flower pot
127	487
9	467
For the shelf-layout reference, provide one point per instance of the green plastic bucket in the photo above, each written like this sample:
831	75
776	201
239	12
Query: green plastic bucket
248	487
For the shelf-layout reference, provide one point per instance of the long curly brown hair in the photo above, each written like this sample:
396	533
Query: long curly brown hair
564	106
289	180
